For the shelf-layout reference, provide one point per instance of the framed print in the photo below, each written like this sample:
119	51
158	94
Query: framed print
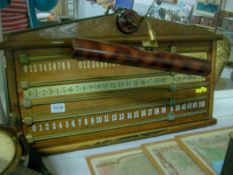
169	158
208	7
207	148
170	1
126	4
130	161
185	10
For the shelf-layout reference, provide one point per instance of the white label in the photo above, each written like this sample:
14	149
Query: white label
58	108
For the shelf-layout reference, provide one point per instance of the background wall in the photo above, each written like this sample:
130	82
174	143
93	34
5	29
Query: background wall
229	5
3	90
85	8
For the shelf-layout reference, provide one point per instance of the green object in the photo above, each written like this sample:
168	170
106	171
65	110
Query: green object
23	59
172	102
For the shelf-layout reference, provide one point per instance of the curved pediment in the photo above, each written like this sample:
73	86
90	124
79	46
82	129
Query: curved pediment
104	28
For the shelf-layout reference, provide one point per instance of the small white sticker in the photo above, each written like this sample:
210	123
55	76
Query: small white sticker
58	108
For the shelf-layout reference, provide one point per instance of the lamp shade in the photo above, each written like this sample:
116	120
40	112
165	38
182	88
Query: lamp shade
45	5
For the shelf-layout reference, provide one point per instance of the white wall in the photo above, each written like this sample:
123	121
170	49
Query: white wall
86	9
229	5
141	7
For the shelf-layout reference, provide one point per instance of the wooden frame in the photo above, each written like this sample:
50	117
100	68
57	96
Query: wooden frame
166	155
186	9
107	116
111	158
207	147
170	1
210	8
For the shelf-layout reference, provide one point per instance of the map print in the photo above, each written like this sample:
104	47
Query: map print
171	158
127	162
209	147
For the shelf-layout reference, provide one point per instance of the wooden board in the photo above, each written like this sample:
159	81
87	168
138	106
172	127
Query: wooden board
62	104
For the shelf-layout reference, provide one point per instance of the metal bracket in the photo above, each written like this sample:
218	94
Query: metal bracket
152	41
27	103
171	116
23	59
29	138
28	121
24	85
173	87
172	49
172	102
